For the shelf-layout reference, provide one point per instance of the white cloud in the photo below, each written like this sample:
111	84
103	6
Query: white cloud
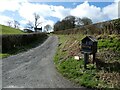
49	22
97	14
60	12
116	0
10	6
27	10
111	11
5	19
90	11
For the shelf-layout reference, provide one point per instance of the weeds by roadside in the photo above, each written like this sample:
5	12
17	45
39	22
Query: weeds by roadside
106	76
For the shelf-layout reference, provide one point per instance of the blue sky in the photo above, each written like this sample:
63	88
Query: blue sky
74	4
51	12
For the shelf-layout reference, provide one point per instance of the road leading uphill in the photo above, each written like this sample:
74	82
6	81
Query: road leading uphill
34	68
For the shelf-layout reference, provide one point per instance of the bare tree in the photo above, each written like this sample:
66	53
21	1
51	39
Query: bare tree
9	23
37	23
34	25
30	25
47	27
16	24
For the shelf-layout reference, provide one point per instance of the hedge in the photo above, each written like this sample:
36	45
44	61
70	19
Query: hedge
10	42
107	27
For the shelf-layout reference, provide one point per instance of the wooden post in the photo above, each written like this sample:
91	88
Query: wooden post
85	60
94	55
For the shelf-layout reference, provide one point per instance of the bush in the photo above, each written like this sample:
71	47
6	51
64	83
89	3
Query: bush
97	28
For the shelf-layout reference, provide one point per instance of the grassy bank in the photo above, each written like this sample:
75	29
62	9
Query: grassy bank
105	74
9	30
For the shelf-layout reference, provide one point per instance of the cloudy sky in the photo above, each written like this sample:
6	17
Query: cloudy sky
51	12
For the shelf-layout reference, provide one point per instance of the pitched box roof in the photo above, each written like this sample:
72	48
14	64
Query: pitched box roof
91	38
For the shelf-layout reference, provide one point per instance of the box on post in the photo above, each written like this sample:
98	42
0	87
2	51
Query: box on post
89	45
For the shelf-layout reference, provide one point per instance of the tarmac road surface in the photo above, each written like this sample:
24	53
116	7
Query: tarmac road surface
34	68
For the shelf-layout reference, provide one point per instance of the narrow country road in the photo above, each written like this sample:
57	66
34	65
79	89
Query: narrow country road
34	68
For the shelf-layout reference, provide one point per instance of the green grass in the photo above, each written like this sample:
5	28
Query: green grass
4	55
9	30
74	70
112	43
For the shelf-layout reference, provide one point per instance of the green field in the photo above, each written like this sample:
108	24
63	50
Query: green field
9	30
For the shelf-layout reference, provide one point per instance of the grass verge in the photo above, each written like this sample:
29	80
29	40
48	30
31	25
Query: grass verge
102	75
4	55
9	30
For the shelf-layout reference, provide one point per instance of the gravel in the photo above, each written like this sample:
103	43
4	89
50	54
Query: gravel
34	68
